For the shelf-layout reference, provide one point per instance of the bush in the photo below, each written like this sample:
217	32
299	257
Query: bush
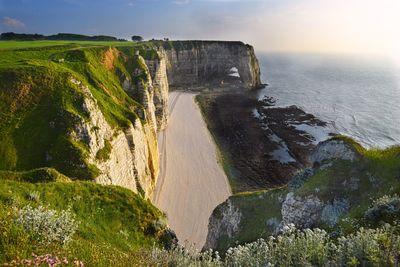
384	209
370	247
47	225
293	247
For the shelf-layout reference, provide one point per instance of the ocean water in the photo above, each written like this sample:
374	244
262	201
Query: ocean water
357	96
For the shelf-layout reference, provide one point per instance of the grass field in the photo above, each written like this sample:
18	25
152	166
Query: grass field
4	45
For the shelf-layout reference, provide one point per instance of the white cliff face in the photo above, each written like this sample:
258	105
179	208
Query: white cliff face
302	212
158	73
132	161
130	157
227	223
333	149
201	63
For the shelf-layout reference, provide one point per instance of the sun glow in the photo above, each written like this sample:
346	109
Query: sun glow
349	26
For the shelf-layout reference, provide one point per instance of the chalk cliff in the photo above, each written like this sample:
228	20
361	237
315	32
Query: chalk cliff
208	63
96	111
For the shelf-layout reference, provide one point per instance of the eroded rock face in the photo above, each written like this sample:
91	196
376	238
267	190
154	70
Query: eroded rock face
158	75
225	224
333	149
202	63
302	212
132	161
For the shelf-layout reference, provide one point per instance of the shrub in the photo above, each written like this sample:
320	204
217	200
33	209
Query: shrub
293	247
180	256
385	209
376	247
47	225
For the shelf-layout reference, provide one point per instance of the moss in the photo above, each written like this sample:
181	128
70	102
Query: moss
104	153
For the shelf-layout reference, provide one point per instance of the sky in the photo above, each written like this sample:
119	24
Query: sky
326	26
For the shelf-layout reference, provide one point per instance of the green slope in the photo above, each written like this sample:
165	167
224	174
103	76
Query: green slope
39	103
115	224
374	174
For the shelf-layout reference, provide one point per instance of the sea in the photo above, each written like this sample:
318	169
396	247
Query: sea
358	96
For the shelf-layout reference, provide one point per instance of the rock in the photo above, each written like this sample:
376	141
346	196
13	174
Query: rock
332	212
202	63
274	224
158	72
302	212
133	159
331	150
225	223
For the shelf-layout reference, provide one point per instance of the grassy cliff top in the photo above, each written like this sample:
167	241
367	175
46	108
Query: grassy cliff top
39	103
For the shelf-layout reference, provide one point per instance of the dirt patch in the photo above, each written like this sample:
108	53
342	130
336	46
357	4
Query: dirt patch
108	58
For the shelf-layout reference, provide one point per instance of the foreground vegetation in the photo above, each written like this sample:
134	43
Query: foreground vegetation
98	225
294	247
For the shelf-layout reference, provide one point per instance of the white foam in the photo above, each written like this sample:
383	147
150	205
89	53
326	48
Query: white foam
318	133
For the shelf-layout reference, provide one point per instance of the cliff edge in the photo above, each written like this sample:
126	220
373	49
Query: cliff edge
211	63
93	112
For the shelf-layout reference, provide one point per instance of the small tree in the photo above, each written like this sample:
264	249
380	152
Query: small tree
137	38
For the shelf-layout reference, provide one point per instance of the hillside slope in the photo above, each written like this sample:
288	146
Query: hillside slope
349	187
114	224
89	112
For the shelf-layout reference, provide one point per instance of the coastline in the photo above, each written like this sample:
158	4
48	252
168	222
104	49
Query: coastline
192	183
258	151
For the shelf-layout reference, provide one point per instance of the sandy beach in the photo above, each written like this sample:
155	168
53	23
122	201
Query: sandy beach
191	182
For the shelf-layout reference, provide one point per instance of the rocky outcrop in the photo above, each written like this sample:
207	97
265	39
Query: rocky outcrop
224	221
333	149
302	212
323	196
158	75
131	155
204	63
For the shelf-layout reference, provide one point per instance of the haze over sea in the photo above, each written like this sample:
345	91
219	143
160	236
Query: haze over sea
358	96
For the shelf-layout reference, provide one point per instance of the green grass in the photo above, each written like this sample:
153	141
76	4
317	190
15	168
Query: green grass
39	104
115	223
104	153
9	45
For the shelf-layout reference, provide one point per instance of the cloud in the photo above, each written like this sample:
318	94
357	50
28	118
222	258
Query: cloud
13	23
